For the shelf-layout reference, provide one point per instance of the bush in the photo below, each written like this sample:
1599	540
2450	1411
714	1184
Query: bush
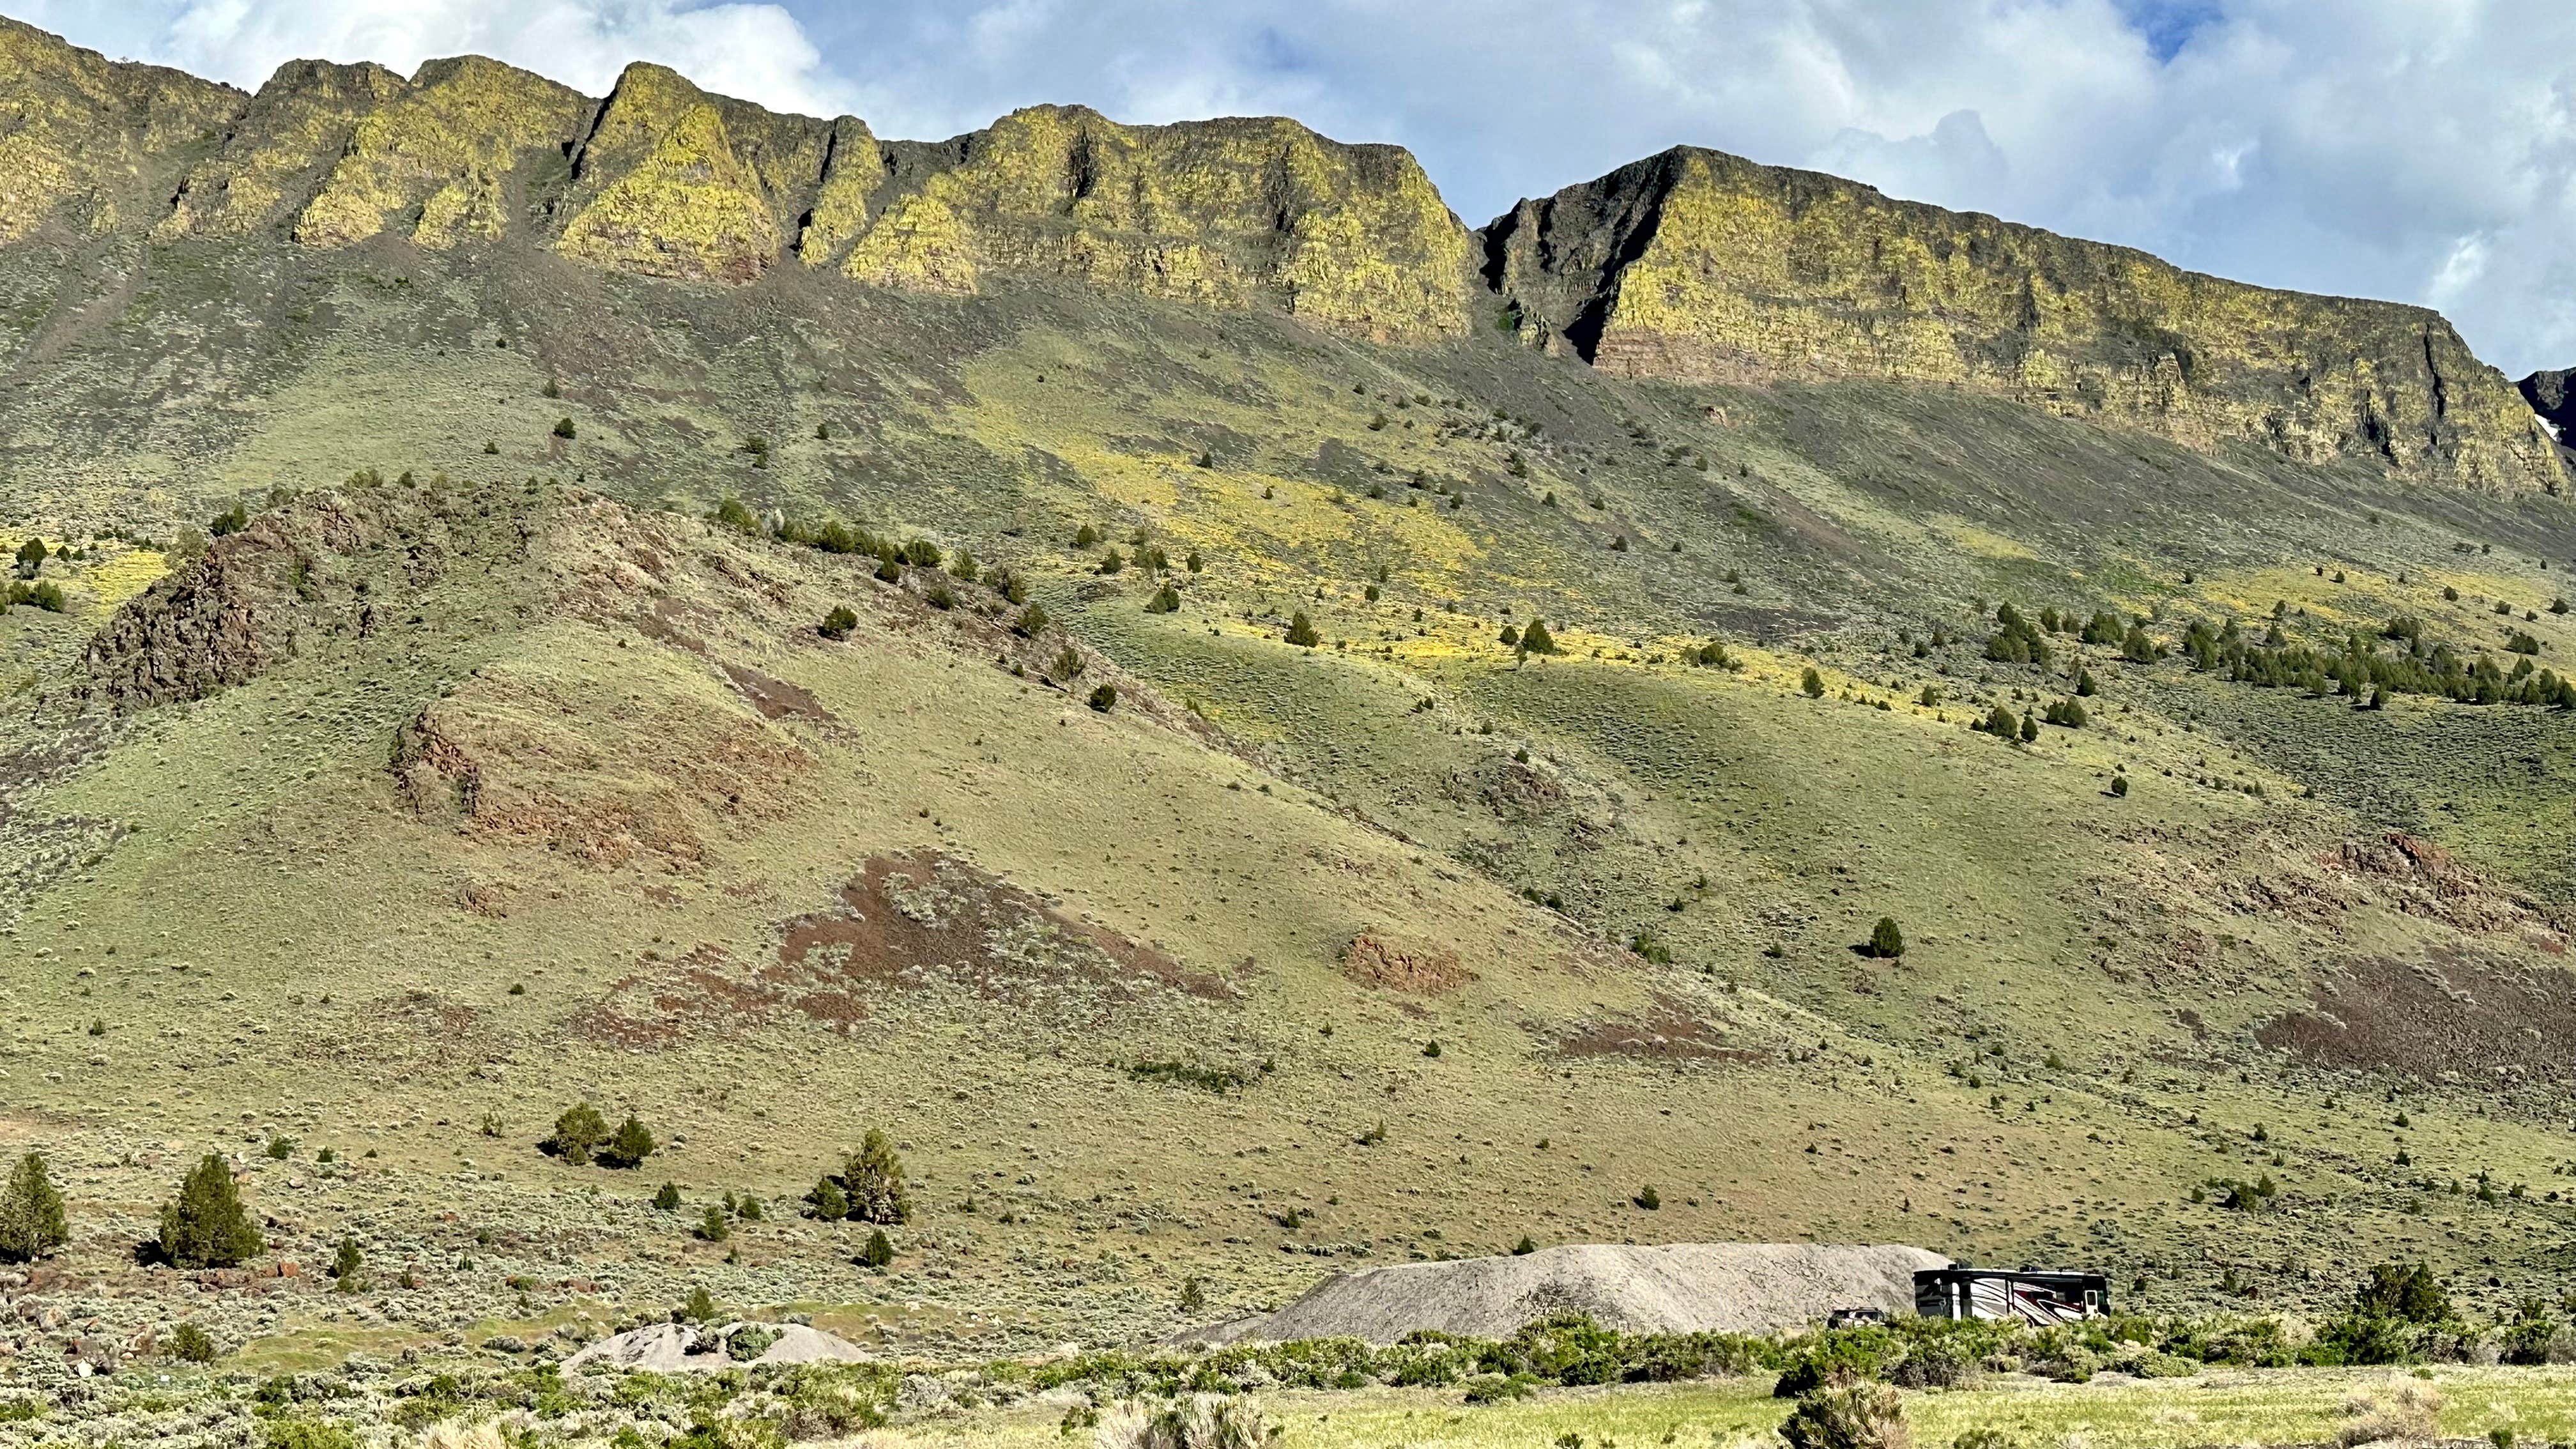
1166	600
828	1202
1206	1421
713	1225
578	1133
838	623
630	1145
1104	698
1536	640
205	1226
733	513
1031	623
667	1196
1813	683
563	427
1301	631
1886	942
31	1213
190	1344
879	1252
1849	1414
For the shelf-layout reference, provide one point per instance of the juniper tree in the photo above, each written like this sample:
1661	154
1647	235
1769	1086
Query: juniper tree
828	1202
873	1179
1301	631
838	623
632	1143
1813	683
578	1133
205	1225
31	1213
1886	942
1536	640
1166	600
879	1252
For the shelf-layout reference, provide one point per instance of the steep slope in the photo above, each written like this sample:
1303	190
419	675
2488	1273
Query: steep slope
1700	266
87	140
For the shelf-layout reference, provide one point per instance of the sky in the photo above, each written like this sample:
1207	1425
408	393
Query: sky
2417	150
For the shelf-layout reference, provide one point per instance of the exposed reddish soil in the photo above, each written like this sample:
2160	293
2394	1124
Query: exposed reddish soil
907	924
2457	1011
775	698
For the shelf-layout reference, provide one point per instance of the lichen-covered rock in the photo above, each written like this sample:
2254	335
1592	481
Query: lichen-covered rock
1704	267
1221	213
676	183
853	170
277	150
85	138
434	157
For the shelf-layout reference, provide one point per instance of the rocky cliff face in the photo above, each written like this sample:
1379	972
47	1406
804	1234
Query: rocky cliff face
1691	265
2553	396
1698	266
89	142
1223	213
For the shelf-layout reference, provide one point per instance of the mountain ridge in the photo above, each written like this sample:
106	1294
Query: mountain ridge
1711	267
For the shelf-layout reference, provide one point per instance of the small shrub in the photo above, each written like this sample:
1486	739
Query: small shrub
190	1344
563	428
1648	1198
713	1226
837	624
879	1252
1813	683
1850	1414
667	1196
1105	698
1301	631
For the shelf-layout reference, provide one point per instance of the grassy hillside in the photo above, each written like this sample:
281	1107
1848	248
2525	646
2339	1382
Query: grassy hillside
477	772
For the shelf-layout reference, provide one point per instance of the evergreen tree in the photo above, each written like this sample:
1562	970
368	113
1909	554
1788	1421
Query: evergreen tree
2084	684
632	1143
1166	600
1511	637
1885	941
667	1196
205	1226
838	623
828	1202
713	1226
31	1213
578	1133
2003	724
879	1253
31	557
1301	631
1813	683
2030	727
873	1179
1536	640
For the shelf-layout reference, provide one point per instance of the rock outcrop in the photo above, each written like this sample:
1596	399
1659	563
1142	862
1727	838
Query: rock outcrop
2553	396
1223	213
1698	266
84	139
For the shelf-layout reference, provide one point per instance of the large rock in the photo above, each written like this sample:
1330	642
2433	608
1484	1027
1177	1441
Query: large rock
1679	1288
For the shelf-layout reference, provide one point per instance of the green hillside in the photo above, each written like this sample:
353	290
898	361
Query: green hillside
438	729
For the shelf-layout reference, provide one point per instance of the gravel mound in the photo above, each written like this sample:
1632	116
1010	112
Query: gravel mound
679	1348
1679	1288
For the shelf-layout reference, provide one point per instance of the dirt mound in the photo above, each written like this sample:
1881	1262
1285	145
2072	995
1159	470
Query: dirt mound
679	1348
1678	1288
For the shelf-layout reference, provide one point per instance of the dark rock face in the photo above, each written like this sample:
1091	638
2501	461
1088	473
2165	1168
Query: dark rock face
2553	396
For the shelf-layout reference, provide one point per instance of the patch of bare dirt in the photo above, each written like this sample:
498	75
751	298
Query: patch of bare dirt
775	698
923	923
1666	1031
2454	1011
1421	968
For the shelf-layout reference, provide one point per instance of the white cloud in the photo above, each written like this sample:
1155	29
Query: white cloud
2345	147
